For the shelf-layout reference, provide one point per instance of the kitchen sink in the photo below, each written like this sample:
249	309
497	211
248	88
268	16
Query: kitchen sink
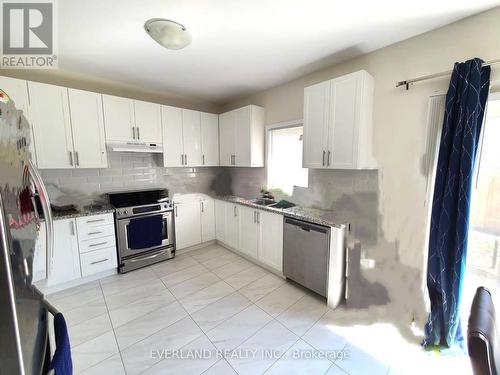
263	201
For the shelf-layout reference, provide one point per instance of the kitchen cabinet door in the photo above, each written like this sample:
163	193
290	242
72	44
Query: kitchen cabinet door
66	262
343	134
271	239
220	220
187	224
227	139
232	226
172	136
147	121
209	139
191	135
243	137
87	125
118	118
17	89
316	125
207	207
51	125
248	231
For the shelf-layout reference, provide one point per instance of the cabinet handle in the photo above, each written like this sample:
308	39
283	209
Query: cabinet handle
175	211
98	244
234	159
92	233
95	220
133	132
254	217
72	226
77	159
182	159
258	217
70	158
185	159
328	158
138	132
202	208
99	261
234	209
324	153
203	159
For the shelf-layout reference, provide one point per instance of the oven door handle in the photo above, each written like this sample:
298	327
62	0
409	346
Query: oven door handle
152	256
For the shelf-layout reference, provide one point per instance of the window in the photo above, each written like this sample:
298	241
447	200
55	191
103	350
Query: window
483	253
284	155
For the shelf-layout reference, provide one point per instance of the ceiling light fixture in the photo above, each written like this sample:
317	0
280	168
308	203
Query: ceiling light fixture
168	33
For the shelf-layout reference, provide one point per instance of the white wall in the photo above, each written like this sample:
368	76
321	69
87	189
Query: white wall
399	120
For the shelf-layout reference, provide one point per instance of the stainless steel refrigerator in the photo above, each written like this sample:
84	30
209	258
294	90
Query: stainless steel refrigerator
23	312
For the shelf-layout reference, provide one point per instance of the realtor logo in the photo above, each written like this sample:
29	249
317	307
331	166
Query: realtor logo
28	34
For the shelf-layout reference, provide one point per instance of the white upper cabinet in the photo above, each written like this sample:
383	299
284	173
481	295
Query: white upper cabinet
88	129
242	137
227	137
338	123
209	139
185	134
316	113
118	118
191	137
147	122
17	89
129	120
51	125
173	150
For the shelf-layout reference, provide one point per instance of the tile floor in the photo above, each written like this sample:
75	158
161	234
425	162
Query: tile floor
210	311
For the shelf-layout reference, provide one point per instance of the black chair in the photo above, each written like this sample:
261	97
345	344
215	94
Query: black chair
482	337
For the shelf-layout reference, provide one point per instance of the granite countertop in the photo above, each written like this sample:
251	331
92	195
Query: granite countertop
313	215
84	211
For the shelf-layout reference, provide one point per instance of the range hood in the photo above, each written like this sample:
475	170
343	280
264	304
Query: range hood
152	148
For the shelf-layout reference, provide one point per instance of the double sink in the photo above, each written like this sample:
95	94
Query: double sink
267	202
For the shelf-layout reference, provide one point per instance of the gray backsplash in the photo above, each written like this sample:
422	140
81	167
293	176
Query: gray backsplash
129	171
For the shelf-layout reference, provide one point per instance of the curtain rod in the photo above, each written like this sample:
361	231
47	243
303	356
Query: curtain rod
409	82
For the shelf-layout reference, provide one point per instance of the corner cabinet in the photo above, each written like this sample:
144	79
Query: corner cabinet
241	142
338	123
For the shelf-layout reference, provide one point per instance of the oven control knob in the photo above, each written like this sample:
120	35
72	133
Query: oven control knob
124	212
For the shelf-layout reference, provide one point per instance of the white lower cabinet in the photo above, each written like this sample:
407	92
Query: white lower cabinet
98	261
271	239
187	224
255	233
82	247
207	207
249	231
220	221
232	225
66	260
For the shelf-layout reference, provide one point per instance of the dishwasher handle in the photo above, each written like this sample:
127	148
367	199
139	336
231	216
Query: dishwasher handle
306	226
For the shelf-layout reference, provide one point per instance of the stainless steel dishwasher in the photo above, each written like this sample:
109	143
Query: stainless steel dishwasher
306	248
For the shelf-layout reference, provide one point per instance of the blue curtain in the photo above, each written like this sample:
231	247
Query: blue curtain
465	103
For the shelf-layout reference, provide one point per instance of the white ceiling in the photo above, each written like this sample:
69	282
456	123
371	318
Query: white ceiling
239	46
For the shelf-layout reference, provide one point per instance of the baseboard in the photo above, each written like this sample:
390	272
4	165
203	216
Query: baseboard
194	247
50	289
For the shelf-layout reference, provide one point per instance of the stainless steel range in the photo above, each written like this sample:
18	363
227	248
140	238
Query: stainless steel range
144	223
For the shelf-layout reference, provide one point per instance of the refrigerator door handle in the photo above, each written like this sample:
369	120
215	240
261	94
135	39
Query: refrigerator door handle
47	213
